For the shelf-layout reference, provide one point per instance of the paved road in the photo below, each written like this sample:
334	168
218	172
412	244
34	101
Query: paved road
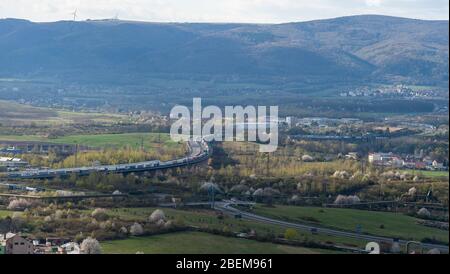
227	207
198	152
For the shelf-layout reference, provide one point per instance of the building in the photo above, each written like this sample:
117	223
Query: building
290	121
379	157
12	162
10	150
352	156
11	243
438	166
385	159
70	248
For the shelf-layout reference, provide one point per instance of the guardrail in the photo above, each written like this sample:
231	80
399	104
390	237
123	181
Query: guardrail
194	157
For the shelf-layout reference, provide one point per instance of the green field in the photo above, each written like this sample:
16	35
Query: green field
198	243
23	138
395	225
429	173
6	213
150	140
208	219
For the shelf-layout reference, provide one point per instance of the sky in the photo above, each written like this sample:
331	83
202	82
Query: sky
245	11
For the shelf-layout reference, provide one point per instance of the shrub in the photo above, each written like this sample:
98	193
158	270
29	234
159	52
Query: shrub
290	234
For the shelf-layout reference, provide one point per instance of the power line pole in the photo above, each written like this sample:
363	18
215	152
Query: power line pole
212	193
76	154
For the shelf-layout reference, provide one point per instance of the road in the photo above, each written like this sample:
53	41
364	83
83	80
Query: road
227	207
198	152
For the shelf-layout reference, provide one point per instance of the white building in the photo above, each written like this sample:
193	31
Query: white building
71	248
386	159
12	162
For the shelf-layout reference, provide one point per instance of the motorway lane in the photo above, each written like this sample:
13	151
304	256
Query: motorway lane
195	150
227	207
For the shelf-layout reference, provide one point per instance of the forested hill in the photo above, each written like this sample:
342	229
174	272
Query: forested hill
358	48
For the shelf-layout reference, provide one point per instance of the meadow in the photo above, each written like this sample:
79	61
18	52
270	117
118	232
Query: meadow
132	140
199	243
12	113
429	173
6	213
395	225
207	219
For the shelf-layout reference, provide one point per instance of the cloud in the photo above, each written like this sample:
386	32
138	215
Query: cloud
374	3
252	11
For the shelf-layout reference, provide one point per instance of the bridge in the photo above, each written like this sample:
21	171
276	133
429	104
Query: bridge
63	198
199	152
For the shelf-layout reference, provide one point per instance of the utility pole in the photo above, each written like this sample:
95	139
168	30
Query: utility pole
212	193
76	154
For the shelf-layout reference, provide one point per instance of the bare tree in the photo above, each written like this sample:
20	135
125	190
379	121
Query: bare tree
100	214
136	229
19	204
91	246
157	215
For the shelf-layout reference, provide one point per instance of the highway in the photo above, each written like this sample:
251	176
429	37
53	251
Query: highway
227	207
199	151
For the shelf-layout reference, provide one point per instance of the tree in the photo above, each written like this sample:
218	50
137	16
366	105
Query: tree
157	215
290	234
136	229
20	204
100	214
91	246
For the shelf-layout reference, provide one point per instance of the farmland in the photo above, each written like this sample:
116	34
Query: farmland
12	113
429	173
206	219
376	223
198	243
133	140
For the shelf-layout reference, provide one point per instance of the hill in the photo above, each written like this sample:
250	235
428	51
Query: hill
349	49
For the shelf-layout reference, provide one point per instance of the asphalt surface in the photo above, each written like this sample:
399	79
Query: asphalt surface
228	208
198	152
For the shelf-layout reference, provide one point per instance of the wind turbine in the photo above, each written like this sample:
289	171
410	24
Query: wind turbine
74	14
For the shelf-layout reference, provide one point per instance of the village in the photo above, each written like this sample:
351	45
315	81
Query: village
11	243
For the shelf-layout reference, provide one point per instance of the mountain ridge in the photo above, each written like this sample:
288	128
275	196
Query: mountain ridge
354	48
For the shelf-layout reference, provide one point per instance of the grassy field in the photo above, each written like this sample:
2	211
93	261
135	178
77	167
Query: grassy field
6	213
208	219
23	138
150	140
19	114
199	243
429	173
395	225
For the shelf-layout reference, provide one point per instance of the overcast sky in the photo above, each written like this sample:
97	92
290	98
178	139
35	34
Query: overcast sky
250	11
